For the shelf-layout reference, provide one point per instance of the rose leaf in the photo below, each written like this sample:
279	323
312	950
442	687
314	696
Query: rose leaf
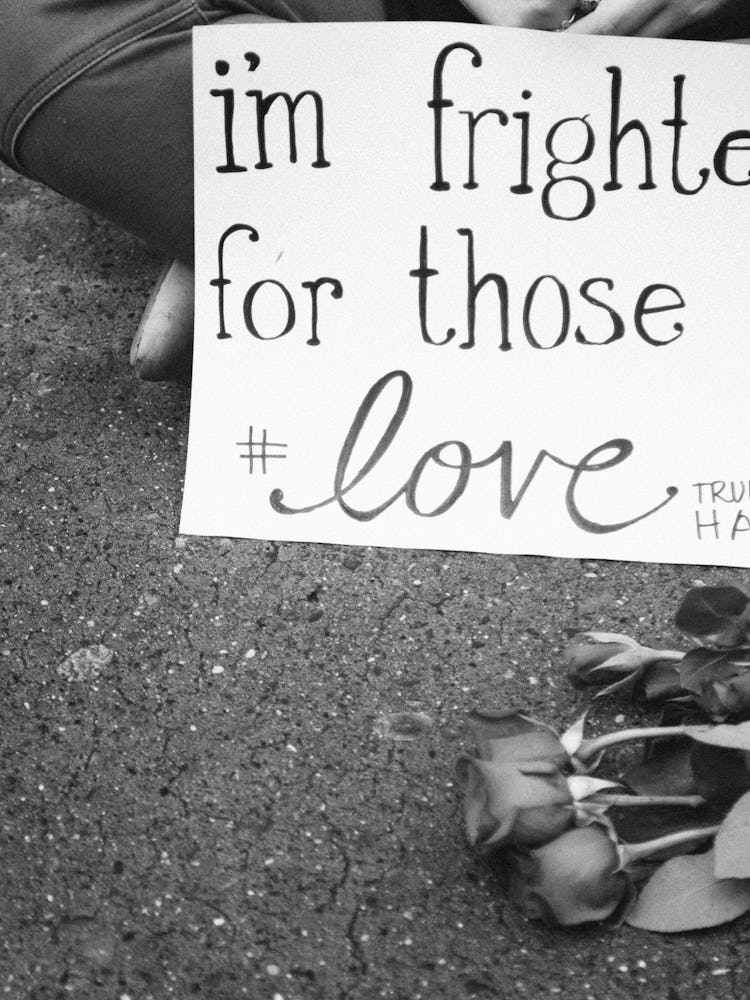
685	895
662	681
715	617
667	771
732	844
703	666
721	775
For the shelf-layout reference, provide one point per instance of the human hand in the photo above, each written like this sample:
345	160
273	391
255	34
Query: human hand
655	18
548	15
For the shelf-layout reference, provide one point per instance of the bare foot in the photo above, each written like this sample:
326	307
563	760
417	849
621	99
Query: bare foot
163	344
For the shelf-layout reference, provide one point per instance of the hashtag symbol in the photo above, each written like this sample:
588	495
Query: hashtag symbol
257	451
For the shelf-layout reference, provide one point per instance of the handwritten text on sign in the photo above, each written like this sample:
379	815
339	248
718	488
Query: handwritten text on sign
471	288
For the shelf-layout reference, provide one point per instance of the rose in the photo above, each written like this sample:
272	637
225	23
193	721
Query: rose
515	791
619	662
584	874
573	879
519	804
518	790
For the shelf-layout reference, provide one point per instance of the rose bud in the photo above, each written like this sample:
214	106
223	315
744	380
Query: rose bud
574	879
715	617
515	792
615	661
590	651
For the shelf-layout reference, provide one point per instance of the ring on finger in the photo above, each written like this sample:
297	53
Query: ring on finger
584	7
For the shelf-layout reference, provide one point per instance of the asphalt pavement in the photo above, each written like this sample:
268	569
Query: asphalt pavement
204	788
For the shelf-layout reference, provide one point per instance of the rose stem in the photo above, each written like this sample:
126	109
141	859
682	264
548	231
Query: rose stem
636	852
648	800
590	748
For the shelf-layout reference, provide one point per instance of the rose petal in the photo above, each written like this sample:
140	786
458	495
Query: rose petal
572	880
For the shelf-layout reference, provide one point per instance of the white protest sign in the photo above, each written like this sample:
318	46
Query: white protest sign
462	287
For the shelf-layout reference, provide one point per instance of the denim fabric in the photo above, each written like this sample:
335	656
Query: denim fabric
45	46
95	99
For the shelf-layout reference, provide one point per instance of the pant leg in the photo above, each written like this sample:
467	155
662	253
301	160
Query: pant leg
117	136
732	22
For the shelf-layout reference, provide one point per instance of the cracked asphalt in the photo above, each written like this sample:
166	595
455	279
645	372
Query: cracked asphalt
210	802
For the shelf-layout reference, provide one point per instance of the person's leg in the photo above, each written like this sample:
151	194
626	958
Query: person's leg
117	137
730	23
95	102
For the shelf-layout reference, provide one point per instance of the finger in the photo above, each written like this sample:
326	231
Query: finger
485	11
619	17
521	13
663	25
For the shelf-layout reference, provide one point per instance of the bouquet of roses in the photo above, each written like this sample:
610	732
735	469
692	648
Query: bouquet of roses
563	837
